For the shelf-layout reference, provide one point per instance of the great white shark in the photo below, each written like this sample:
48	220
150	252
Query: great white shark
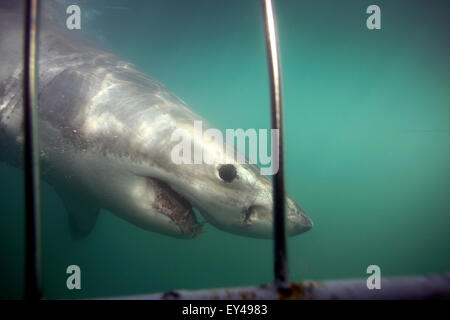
104	137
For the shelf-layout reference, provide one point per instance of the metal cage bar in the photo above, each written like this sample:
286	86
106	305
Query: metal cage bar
281	272
393	288
33	284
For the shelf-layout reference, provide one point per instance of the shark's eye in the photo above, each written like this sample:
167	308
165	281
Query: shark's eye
227	172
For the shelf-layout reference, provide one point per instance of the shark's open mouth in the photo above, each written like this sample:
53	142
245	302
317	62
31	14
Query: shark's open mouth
174	206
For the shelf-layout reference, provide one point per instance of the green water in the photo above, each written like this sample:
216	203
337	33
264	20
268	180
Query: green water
367	144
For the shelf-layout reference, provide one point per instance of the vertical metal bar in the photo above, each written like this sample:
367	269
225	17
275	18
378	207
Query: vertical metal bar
33	285
279	228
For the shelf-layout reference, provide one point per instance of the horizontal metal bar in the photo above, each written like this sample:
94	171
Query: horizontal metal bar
394	288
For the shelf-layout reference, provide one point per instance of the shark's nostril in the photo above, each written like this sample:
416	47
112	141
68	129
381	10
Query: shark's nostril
257	213
248	215
253	212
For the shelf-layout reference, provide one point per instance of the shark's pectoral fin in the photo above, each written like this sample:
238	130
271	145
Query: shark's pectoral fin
82	217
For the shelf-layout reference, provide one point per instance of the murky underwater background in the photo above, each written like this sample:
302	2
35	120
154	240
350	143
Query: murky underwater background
367	139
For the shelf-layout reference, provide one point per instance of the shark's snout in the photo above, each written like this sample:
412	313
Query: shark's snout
257	220
297	220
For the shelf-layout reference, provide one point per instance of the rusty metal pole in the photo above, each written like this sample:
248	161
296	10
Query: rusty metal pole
33	285
279	229
392	288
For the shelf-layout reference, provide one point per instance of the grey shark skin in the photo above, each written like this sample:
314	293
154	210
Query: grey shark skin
105	131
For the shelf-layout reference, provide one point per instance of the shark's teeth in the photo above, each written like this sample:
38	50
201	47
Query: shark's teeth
174	206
